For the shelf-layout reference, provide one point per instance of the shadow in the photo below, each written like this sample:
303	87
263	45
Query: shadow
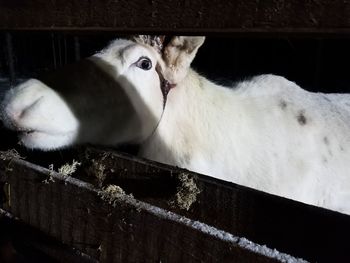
97	100
103	106
21	243
106	111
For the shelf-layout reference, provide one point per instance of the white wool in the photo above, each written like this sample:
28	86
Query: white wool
266	133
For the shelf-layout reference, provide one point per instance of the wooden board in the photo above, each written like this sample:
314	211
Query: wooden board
149	226
183	16
131	230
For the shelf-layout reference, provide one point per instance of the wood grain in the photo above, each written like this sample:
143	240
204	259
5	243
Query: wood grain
71	211
183	16
149	226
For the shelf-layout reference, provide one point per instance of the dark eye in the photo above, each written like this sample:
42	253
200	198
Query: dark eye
144	63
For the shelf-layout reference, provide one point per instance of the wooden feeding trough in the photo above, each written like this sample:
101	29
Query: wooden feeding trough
97	204
160	213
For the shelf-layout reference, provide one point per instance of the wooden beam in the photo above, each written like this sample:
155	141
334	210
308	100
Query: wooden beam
277	222
126	229
178	17
150	225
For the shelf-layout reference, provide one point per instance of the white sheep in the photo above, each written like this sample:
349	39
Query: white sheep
266	133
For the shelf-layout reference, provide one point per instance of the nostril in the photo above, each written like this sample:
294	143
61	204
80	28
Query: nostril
24	109
14	113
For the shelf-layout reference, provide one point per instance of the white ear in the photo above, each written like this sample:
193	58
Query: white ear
178	55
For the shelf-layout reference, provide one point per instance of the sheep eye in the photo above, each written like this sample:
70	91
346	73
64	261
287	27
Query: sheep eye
144	63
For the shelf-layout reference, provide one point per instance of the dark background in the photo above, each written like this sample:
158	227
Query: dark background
316	64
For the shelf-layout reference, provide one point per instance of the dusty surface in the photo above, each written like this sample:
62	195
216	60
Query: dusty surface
69	169
10	154
186	193
97	170
179	16
111	194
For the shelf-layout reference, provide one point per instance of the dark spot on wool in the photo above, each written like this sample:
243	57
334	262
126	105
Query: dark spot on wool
301	118
283	104
327	99
325	140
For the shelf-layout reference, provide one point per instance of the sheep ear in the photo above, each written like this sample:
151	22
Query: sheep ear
178	55
154	41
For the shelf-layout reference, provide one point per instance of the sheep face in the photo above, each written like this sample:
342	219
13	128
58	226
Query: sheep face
112	97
